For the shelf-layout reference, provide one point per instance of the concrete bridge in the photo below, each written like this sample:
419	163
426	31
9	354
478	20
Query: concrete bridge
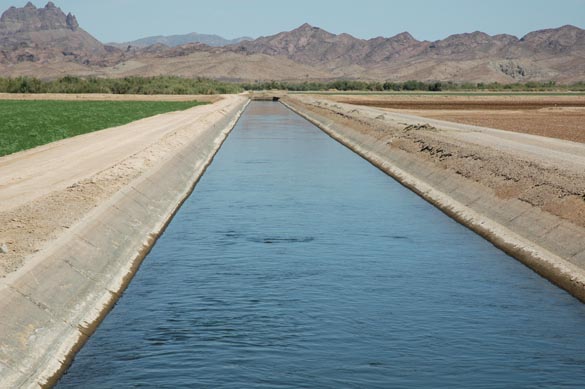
272	95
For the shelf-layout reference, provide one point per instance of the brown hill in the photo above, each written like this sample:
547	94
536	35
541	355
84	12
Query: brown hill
31	34
314	46
553	54
45	42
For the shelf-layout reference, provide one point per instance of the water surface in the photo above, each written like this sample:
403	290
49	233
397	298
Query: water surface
297	264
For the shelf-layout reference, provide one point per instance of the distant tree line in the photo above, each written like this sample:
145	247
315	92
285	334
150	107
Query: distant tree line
345	85
163	85
412	85
179	85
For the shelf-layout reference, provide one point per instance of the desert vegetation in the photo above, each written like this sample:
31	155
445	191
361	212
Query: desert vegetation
413	85
162	85
27	124
171	85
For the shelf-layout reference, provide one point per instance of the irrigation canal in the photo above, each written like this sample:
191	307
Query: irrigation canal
295	263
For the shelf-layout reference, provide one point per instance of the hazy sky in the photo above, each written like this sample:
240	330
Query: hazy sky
123	20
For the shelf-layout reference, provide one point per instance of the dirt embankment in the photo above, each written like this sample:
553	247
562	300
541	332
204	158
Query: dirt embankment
524	193
79	216
561	117
47	190
511	169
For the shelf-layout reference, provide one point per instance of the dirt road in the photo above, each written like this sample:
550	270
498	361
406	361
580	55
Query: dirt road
44	191
523	193
567	155
561	117
545	172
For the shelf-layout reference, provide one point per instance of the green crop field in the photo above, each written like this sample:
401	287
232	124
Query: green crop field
27	124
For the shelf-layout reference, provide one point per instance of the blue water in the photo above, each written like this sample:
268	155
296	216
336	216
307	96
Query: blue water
297	264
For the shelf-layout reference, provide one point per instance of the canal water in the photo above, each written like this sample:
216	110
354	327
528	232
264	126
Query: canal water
297	264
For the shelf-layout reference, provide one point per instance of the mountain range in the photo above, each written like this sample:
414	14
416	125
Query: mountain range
179	40
47	43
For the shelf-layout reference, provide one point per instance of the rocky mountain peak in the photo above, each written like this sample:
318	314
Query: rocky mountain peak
71	22
404	38
306	30
469	38
32	38
556	39
31	19
31	34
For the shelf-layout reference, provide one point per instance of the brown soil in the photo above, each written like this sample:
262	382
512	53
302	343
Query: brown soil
455	103
561	117
560	123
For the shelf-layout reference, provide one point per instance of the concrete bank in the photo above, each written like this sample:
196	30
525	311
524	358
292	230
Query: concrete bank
553	247
51	305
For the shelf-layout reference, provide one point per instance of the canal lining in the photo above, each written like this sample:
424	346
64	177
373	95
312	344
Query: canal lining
546	263
88	268
90	329
514	240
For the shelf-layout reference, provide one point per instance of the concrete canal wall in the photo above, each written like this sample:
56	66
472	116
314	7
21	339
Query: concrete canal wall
51	305
553	247
55	301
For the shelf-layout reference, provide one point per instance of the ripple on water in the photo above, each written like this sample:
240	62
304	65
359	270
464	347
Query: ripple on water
297	264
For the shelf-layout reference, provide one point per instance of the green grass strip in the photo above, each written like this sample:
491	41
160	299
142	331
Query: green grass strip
27	124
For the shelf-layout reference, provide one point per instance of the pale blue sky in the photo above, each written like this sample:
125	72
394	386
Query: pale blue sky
123	20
